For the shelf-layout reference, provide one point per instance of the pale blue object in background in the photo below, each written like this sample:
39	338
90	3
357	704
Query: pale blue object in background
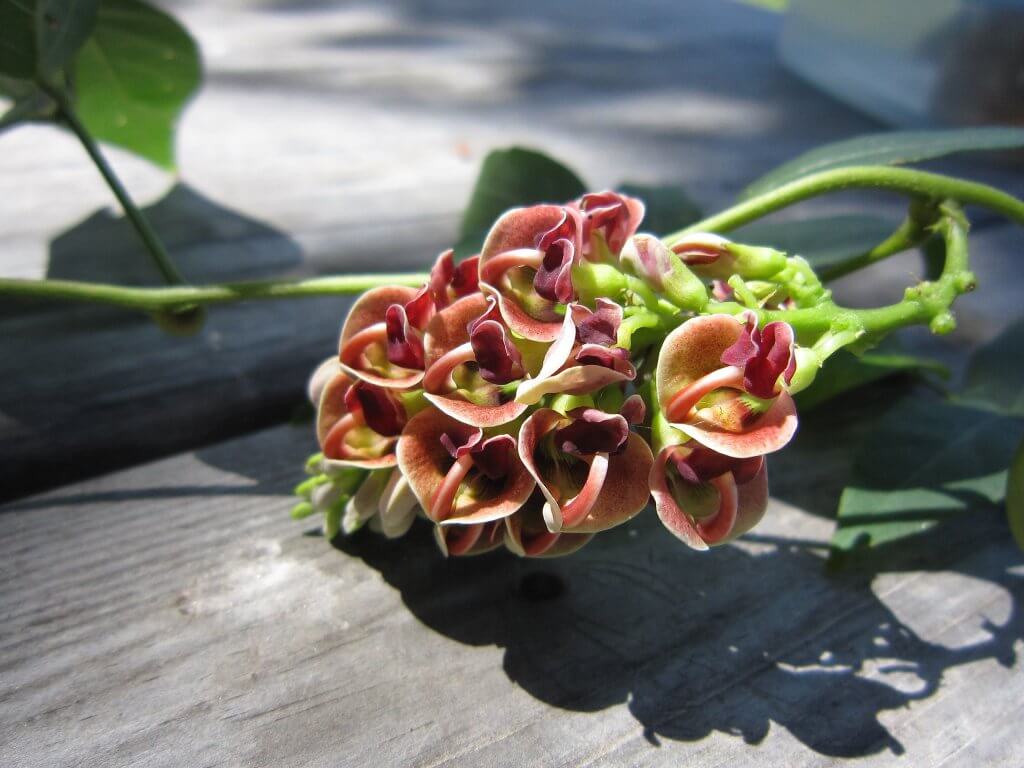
913	63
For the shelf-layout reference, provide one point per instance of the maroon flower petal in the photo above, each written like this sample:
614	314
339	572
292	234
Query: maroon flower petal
465	280
498	358
615	358
494	456
634	410
405	345
382	413
702	465
616	217
419	309
553	280
458	444
440	276
600	326
765	355
592	431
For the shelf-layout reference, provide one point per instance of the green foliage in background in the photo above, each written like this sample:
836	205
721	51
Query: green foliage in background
125	68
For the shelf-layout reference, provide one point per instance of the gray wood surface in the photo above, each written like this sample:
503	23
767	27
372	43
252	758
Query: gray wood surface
172	614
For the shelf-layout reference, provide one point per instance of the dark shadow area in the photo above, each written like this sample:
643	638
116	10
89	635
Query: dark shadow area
209	243
732	642
85	389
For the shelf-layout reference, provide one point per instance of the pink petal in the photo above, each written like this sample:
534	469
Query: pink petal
692	351
520	321
425	462
769	432
622	496
369	309
669	511
484	416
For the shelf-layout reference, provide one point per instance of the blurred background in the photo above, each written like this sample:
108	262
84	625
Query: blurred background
346	136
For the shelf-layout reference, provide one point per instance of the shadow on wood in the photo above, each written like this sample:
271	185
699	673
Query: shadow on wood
730	641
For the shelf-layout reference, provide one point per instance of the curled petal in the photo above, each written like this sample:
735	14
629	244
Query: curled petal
465	279
702	249
648	258
336	421
419	309
324	372
527	536
380	411
513	242
521	322
615	499
440	277
397	506
405	346
692	351
765	433
362	507
598	367
553	280
429	468
365	327
615	217
716	510
449	328
516	229
369	309
766	356
485	416
499	360
467	540
592	431
621	496
634	410
600	326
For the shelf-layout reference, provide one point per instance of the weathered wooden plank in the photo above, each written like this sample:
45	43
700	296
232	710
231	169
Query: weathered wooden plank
172	614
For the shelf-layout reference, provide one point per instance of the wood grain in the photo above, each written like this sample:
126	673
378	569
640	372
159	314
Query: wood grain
173	615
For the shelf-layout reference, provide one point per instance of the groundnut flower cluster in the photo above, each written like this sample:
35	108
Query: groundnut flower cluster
551	387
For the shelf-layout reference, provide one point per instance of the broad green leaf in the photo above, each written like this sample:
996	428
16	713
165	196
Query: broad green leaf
510	178
927	461
134	76
38	37
17	38
826	242
890	148
844	372
62	26
1015	497
668	207
995	374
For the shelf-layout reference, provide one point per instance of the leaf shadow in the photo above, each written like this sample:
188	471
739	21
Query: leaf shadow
694	644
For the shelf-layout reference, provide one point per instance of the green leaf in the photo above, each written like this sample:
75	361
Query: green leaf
668	207
62	26
844	372
134	76
826	242
38	37
995	374
17	38
890	148
927	461
510	178
1015	497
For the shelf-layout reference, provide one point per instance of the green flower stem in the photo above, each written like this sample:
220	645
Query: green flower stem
184	297
161	258
907	181
925	303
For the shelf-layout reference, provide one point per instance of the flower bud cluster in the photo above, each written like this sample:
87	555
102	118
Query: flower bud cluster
546	389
